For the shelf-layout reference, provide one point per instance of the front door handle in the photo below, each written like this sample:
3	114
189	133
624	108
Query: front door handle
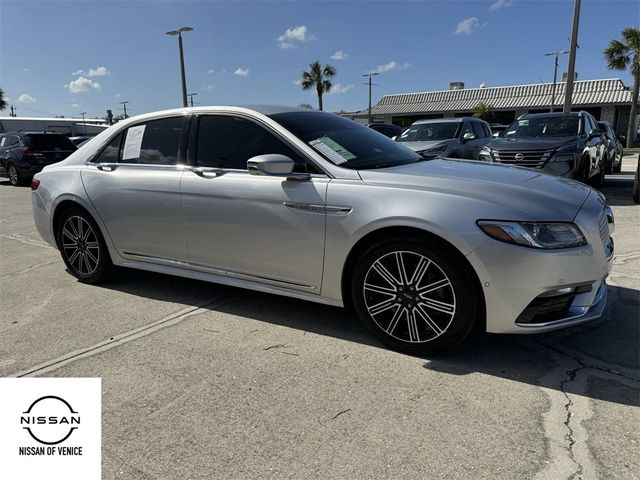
106	167
207	172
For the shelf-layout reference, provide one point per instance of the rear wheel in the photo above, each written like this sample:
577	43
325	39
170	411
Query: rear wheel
14	176
598	179
415	297
617	168
82	247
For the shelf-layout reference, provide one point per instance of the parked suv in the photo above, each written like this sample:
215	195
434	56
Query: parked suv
387	129
23	154
447	137
569	145
614	148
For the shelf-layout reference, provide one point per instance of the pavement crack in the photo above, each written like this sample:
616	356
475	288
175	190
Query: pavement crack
571	376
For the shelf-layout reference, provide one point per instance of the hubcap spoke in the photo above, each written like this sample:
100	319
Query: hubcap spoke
384	273
434	286
395	319
383	306
428	320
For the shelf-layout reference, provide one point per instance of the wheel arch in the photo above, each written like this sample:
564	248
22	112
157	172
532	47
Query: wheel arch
389	232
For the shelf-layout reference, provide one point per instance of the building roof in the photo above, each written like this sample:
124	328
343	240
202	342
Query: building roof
585	93
57	119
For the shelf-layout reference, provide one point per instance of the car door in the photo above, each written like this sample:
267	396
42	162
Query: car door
134	184
595	145
252	227
468	148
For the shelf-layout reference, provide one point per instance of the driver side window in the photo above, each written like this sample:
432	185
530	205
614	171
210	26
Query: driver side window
228	142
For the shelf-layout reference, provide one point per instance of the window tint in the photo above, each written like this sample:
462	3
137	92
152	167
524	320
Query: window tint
466	128
47	141
160	142
487	130
228	142
477	129
110	153
13	140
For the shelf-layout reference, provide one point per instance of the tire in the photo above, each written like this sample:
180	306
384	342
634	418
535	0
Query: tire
15	178
598	180
430	308
636	187
618	168
82	247
585	170
609	165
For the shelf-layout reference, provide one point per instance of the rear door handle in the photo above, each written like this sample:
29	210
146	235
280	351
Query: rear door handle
207	172
106	167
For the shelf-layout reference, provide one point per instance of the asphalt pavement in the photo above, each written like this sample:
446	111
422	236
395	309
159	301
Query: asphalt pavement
202	381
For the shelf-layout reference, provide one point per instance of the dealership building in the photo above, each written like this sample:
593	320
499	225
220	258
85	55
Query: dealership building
607	99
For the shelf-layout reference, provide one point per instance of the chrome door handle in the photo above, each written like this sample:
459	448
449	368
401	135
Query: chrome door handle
205	172
106	167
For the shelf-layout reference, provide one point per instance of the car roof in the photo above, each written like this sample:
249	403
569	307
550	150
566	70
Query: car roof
551	114
448	120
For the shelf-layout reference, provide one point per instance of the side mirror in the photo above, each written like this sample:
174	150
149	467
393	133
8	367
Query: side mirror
595	133
394	138
274	165
468	136
495	134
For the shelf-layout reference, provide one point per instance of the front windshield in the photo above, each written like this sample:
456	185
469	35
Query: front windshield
536	127
345	142
429	132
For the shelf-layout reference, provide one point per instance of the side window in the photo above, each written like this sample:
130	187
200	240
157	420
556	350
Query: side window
3	141
14	140
110	153
487	130
466	128
477	129
153	143
228	142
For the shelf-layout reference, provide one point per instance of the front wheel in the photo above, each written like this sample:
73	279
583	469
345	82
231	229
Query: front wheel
82	247
15	178
414	296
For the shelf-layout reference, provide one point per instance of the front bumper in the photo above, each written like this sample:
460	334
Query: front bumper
513	277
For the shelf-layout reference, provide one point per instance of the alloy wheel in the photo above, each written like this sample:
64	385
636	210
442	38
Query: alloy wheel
13	175
80	245
409	297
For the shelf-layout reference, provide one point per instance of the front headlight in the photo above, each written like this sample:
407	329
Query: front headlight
485	153
564	154
434	150
534	234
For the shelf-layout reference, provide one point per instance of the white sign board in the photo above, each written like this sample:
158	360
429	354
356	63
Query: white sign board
133	142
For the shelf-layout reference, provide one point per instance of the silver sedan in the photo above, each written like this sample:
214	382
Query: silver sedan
314	206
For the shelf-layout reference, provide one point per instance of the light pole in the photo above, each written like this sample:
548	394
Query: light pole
84	123
124	107
190	95
555	74
370	84
182	76
568	89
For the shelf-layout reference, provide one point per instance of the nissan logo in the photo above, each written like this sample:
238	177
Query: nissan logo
519	157
50	420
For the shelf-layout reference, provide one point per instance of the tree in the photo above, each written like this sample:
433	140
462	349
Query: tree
483	110
3	103
625	54
318	77
305	105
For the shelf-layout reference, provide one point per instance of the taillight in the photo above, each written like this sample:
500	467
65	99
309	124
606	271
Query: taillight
32	152
34	184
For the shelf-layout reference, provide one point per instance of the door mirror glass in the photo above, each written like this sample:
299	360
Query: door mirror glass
468	136
595	133
273	165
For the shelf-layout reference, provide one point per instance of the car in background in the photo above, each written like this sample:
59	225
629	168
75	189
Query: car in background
614	148
77	141
569	146
497	129
23	154
388	129
314	206
447	137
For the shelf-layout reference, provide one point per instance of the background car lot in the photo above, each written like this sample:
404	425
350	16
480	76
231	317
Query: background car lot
205	381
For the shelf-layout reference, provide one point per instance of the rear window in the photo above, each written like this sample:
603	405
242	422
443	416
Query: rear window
49	142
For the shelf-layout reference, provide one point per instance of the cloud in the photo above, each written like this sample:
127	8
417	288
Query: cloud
339	88
209	87
26	98
467	26
339	55
118	95
387	67
294	36
298	82
75	105
211	71
93	72
241	72
498	4
82	84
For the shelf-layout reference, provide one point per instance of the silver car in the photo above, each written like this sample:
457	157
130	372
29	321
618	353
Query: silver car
314	206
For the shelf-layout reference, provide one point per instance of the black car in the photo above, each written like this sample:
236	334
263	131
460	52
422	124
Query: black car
569	145
23	154
387	129
614	148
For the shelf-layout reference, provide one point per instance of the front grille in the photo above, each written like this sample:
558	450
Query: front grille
603	226
531	158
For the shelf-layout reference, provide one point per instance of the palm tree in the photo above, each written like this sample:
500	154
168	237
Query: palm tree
483	110
625	54
318	77
3	103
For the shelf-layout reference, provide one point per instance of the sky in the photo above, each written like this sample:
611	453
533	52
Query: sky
63	58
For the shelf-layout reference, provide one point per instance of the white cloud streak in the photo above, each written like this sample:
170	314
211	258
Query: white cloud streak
295	36
241	72
83	84
498	4
26	98
467	26
387	67
339	55
93	72
339	88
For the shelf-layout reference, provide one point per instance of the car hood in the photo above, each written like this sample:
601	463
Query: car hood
530	143
419	146
540	196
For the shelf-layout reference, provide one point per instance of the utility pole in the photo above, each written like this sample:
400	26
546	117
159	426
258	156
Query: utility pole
555	74
124	106
84	123
370	84
190	95
568	90
13	111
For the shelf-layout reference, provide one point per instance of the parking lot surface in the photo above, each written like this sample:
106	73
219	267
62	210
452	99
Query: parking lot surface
204	381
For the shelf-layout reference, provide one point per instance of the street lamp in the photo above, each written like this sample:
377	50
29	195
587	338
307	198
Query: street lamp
369	83
555	74
84	123
184	82
190	95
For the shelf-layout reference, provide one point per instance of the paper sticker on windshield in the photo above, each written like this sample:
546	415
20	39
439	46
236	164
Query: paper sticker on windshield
133	142
332	150
523	123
